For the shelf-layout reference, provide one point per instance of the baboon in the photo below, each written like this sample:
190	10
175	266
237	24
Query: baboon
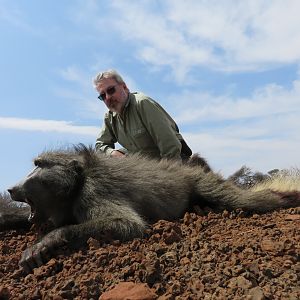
197	160
85	194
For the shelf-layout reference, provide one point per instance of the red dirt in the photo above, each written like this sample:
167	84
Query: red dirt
215	256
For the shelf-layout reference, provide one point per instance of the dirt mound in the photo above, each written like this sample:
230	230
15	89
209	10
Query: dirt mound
213	256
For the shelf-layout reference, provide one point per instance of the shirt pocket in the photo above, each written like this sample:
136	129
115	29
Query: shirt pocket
142	138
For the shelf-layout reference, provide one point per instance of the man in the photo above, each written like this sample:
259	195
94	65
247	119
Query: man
136	122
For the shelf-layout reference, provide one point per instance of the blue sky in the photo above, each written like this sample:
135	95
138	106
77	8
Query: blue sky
227	71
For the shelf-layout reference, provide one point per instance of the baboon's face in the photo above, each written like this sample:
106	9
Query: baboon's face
46	189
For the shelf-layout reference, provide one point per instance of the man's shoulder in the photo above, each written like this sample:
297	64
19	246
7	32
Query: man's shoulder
139	98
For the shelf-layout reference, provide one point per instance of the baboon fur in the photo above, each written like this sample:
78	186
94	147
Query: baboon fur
197	160
85	194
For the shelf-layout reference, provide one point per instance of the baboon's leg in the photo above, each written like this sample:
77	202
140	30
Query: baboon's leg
122	223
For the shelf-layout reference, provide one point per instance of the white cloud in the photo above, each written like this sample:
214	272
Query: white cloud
227	153
267	101
76	75
77	88
72	73
261	131
223	35
47	126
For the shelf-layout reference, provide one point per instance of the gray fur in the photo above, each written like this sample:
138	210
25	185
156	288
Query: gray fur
85	194
197	160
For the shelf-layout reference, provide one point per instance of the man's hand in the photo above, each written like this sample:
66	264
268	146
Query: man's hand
117	153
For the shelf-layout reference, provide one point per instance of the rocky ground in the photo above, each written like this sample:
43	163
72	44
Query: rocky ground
208	256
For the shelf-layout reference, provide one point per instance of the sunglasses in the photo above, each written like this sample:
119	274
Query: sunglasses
110	91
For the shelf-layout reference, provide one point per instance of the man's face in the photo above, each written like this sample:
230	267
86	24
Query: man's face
113	93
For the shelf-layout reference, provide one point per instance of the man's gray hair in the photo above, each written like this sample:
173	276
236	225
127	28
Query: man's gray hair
108	74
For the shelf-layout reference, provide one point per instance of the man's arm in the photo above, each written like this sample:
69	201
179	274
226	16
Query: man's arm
161	128
106	140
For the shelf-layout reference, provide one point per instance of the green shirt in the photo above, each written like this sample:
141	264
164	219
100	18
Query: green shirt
143	127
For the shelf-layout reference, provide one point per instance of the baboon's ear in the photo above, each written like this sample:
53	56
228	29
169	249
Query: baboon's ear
77	165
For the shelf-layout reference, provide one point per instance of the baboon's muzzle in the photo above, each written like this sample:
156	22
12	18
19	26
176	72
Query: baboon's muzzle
17	194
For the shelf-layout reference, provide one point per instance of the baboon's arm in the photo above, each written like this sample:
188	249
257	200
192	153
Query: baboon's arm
122	228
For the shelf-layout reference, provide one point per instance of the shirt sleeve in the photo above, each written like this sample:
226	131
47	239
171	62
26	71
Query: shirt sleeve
161	127
106	140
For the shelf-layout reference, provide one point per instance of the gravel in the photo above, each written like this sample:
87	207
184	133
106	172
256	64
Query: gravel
202	256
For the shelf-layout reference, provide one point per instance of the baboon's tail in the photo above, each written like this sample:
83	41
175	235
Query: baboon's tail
222	194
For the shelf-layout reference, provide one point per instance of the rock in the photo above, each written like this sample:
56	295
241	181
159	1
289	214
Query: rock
256	293
240	282
268	245
213	256
4	293
129	291
292	217
171	237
